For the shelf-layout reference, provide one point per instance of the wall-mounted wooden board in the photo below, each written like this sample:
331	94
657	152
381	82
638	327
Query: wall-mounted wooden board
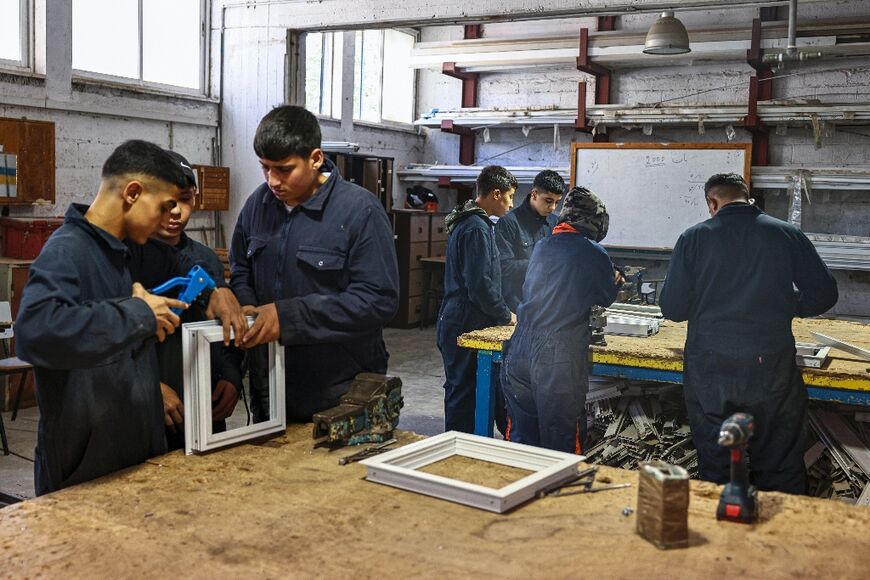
32	143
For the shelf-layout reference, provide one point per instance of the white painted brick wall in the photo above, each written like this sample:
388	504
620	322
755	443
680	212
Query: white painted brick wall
84	141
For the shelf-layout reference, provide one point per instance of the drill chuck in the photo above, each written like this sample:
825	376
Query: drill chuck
736	430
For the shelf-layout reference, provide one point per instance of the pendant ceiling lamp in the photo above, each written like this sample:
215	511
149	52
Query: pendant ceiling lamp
667	35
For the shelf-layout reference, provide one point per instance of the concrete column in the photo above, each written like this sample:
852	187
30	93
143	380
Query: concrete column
347	96
58	50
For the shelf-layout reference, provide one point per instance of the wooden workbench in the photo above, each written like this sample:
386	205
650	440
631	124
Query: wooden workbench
284	510
843	372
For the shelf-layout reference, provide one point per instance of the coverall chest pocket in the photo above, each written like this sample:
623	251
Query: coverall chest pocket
325	265
528	246
255	259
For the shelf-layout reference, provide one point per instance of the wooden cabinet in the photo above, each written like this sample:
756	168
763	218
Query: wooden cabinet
418	235
32	145
368	171
213	193
13	277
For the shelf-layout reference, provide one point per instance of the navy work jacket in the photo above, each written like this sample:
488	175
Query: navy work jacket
100	408
568	274
329	265
516	235
740	277
472	277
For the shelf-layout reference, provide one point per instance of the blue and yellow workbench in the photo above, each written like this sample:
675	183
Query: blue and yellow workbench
843	378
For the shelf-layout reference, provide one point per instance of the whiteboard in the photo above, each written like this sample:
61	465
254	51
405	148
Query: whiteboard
653	191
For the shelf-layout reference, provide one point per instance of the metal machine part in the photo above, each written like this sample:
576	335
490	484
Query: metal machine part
810	355
582	481
367	413
631	325
842	345
597	322
366	453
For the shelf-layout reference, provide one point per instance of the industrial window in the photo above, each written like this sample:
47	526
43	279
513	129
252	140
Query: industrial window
323	61
158	42
383	79
13	32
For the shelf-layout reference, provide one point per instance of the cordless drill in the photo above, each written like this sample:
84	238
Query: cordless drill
738	502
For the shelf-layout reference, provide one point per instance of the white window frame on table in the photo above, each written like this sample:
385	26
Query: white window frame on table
196	341
399	468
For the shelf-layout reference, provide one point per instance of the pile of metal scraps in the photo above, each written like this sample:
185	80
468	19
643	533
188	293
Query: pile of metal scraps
635	421
838	462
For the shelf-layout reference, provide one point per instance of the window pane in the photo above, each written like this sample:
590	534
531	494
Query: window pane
357	74
337	63
398	86
10	29
172	42
326	75
313	67
369	90
99	47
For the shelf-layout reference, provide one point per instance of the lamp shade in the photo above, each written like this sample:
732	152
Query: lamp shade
667	35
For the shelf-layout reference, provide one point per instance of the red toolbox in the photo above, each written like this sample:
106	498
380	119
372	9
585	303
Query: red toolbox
23	238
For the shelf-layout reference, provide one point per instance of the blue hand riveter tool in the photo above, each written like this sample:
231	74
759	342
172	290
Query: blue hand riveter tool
192	285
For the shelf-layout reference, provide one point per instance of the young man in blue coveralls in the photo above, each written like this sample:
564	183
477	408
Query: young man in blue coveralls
83	321
740	278
545	374
472	293
313	258
517	233
226	361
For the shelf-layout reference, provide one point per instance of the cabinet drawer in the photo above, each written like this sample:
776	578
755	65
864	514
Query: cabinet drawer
410	311
438	231
413	284
438	249
418	228
415	252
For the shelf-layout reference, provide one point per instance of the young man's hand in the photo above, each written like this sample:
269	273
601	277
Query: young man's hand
513	321
173	408
266	327
167	320
223	400
224	306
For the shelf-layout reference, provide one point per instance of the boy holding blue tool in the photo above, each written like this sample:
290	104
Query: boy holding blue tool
226	361
82	318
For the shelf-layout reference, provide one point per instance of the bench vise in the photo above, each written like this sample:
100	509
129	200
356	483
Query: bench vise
367	413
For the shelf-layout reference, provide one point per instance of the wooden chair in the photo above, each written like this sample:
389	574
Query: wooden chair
10	365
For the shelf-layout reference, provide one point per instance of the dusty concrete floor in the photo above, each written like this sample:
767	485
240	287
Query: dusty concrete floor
413	357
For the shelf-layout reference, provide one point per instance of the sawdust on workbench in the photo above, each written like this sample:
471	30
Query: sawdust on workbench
667	345
485	473
287	510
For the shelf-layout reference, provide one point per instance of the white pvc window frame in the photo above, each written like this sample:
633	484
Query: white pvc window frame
399	468
196	341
